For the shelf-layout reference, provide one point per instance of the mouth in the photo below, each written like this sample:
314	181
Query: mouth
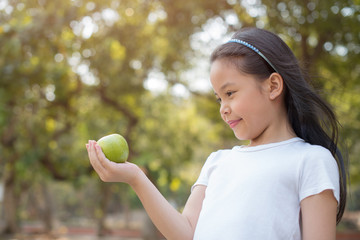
233	123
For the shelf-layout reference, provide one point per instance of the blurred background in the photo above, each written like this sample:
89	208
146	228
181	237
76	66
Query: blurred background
74	70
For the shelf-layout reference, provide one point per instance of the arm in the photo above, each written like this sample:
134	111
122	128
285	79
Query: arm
171	223
318	213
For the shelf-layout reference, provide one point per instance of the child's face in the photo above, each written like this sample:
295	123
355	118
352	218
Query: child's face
245	106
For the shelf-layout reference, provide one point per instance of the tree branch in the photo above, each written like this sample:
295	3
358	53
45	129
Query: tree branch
132	118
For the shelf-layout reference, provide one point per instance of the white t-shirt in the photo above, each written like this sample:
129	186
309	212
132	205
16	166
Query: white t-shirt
254	193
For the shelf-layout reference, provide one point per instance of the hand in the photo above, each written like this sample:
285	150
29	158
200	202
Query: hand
168	220
109	171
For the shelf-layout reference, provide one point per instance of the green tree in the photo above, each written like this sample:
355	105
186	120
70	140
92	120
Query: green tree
33	121
77	70
71	69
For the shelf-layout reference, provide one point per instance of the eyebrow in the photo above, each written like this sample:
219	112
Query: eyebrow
225	86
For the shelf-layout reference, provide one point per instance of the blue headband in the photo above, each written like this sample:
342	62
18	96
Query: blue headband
254	49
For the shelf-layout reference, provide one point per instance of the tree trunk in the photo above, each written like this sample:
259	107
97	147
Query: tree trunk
104	202
126	211
10	200
149	231
10	203
45	208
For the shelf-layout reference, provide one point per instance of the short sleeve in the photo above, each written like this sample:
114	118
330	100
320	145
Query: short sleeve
209	166
319	172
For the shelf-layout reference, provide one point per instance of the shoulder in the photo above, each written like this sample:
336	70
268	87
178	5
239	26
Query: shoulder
318	171
311	151
219	153
216	156
313	158
210	165
215	159
316	153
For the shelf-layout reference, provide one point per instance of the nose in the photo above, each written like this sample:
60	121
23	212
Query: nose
224	109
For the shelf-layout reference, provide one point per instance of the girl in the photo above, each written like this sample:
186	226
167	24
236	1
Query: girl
289	182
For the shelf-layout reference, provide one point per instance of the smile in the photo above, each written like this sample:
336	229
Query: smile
233	123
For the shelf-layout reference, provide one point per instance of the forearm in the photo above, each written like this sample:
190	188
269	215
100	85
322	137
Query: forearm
167	219
172	224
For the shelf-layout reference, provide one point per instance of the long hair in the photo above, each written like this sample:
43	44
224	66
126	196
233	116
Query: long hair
310	116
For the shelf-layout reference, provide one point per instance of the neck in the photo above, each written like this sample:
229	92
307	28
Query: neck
278	130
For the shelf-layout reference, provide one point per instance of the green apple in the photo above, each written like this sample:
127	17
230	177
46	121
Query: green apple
115	147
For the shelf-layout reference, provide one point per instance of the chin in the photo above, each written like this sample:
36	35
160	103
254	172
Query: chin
245	136
241	137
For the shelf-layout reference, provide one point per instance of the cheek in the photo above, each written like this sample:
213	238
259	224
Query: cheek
255	109
248	105
260	117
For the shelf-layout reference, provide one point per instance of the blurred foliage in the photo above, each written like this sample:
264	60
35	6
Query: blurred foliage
75	70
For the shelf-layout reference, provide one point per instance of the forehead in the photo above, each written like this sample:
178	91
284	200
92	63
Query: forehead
222	68
224	74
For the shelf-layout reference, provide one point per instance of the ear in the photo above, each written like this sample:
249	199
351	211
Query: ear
275	86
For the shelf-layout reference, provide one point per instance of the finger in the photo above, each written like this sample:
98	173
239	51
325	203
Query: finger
88	148
94	160
91	153
102	158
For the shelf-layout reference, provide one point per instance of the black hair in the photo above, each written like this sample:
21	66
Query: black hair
310	116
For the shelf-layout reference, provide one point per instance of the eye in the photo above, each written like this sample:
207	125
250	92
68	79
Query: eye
229	93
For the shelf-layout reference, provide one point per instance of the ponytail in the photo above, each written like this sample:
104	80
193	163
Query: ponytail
314	121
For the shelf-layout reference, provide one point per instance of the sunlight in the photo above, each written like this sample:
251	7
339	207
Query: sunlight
156	82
